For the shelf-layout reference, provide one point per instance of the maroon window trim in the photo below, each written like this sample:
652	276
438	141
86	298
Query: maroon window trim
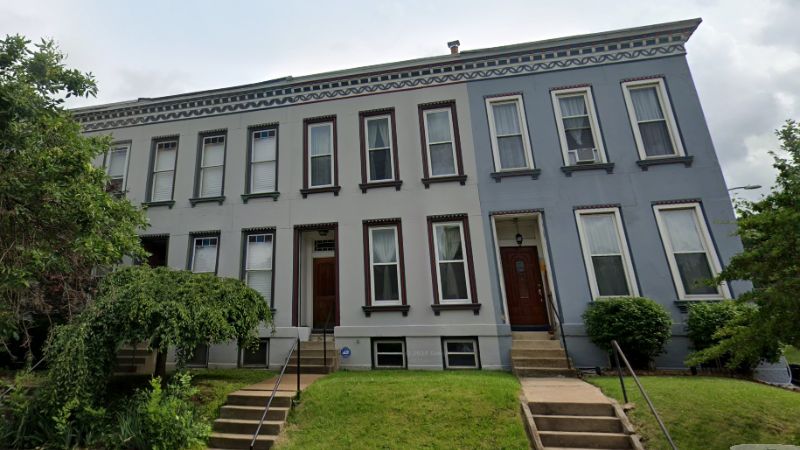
369	307
459	176
314	190
366	184
438	307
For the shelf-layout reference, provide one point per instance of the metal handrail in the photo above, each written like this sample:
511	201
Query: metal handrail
11	388
325	337
275	388
554	310
619	353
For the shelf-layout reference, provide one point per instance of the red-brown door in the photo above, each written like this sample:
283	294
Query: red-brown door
524	293
324	292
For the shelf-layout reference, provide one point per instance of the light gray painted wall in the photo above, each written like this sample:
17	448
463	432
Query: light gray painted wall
629	186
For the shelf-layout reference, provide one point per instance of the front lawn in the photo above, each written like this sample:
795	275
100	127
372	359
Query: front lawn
792	354
710	413
408	409
214	385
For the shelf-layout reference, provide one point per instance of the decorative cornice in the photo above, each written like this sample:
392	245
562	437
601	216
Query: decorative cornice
515	212
601	206
559	54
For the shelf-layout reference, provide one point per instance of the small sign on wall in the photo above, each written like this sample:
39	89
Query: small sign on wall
345	352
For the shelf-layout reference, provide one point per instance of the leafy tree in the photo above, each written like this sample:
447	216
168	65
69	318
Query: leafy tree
58	223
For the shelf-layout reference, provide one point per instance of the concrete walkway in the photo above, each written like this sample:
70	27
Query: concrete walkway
561	390
288	382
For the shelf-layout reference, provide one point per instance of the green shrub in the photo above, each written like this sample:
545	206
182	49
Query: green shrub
707	318
640	326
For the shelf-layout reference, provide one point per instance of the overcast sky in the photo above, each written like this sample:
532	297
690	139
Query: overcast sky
745	56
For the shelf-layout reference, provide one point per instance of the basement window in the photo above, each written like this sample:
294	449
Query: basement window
255	357
460	353
389	354
199	357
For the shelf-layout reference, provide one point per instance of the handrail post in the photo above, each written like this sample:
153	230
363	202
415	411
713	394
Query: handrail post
325	343
298	365
619	373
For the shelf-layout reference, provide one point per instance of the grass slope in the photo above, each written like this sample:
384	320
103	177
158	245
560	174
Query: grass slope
710	413
792	354
408	409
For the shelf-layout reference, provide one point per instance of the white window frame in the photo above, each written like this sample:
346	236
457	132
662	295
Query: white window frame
367	119
311	184
203	165
107	162
375	353
452	142
627	263
586	93
271	268
517	99
242	364
253	162
156	171
372	265
723	291
194	250
475	352
464	261
666	111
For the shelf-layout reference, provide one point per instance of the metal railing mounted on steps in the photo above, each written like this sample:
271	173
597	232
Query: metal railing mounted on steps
618	353
325	338
296	345
554	311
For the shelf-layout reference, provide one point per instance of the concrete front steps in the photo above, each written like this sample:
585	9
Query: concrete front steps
312	356
240	415
538	354
134	359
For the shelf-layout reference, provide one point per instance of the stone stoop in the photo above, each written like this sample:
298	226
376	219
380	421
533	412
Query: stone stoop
538	354
312	356
240	415
132	360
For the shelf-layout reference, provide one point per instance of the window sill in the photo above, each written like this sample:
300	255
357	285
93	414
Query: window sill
439	307
219	199
320	190
646	163
168	203
368	310
380	184
273	195
462	179
533	173
608	167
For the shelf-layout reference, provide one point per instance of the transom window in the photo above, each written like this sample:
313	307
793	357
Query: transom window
450	257
320	154
204	254
389	353
577	124
117	168
380	165
460	353
258	264
163	170
441	152
264	161
650	112
509	133
212	166
605	252
690	253
385	285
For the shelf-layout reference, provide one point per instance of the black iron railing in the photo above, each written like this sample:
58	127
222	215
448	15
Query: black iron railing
618	353
554	311
325	337
296	345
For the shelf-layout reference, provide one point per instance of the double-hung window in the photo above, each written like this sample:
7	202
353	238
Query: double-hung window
320	153
460	353
690	252
263	160
389	353
204	254
452	260
652	120
385	274
605	252
258	263
578	129
378	147
211	170
163	177
511	147
117	167
440	143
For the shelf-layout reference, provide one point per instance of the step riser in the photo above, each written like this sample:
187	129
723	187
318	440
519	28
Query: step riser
242	400
312	345
540	353
553	363
250	414
536	345
247	428
332	353
572	409
531	336
556	439
127	360
542	372
315	361
310	369
219	442
575	424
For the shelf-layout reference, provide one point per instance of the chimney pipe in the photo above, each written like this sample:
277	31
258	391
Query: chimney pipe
453	47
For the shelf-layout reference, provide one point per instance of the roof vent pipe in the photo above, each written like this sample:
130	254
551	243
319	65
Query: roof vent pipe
453	47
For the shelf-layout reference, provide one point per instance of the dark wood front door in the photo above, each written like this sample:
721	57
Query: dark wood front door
324	292
524	293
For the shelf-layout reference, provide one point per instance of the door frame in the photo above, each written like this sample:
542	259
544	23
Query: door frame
297	244
547	320
549	290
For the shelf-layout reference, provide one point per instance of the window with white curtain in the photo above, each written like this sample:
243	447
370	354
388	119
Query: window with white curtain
690	253
605	252
117	168
263	161
212	166
204	254
509	132
320	154
650	112
441	152
380	165
163	171
451	262
384	260
258	264
578	129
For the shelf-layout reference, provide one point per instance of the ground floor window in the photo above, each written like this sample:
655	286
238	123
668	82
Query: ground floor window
460	353
256	356
199	357
389	353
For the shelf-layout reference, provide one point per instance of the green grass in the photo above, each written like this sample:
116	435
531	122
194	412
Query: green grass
214	385
792	354
710	413
408	409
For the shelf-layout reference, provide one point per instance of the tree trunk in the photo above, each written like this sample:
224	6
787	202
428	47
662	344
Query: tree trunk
161	366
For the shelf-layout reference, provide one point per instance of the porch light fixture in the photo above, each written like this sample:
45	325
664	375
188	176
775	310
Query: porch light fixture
518	237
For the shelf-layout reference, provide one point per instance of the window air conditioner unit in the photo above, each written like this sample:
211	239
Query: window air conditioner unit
584	155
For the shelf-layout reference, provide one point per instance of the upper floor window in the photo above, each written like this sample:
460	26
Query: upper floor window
258	263
441	148
578	129
690	251
650	112
605	253
384	257
117	167
263	160
452	258
204	253
378	151
320	154
165	154
211	166
511	147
